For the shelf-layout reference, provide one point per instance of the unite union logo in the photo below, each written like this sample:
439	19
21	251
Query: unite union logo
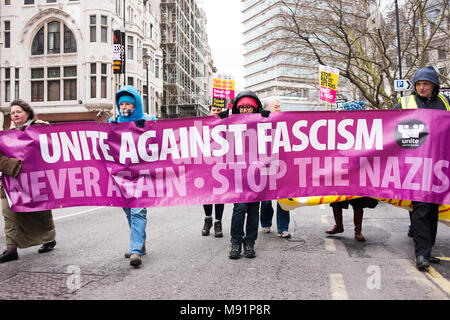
410	133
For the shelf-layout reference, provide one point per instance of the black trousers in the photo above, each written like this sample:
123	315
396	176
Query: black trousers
209	209
240	211
424	221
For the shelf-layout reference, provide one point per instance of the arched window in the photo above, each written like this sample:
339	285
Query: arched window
54	82
37	47
52	32
70	44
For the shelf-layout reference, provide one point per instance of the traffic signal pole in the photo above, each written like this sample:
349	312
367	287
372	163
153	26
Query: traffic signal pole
398	44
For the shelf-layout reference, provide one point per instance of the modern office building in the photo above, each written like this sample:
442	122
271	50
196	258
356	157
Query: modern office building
269	71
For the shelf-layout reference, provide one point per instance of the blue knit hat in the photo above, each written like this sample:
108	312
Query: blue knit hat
127	98
428	74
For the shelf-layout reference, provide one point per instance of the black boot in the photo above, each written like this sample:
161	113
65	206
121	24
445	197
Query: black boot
235	252
46	247
218	229
207	226
422	263
249	251
8	256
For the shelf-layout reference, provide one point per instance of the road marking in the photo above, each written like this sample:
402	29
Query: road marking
77	213
423	280
444	258
330	245
337	286
438	279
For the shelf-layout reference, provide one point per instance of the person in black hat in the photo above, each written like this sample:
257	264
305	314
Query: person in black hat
245	217
424	216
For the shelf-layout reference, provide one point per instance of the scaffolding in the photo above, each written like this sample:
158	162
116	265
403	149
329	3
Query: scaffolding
181	42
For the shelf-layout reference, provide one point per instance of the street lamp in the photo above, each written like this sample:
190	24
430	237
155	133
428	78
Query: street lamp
146	58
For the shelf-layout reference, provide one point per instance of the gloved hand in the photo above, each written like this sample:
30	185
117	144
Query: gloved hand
265	113
11	166
140	123
224	114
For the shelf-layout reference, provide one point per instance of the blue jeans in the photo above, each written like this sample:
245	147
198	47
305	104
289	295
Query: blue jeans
238	219
137	220
283	216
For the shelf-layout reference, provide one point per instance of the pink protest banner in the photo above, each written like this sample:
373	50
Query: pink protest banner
395	154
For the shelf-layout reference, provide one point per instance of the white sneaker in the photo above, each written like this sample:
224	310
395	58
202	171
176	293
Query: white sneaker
284	234
266	229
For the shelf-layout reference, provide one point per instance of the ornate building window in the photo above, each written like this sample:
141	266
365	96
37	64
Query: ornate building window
59	82
53	82
54	40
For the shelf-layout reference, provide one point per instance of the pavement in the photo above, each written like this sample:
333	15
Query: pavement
182	265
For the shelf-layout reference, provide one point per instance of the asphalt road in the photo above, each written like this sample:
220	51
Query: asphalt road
181	264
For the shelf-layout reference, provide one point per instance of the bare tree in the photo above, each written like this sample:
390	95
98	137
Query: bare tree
359	38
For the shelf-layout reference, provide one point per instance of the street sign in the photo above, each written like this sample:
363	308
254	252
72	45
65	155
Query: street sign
402	85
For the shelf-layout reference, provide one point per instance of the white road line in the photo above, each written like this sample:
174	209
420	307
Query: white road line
330	245
77	213
337	287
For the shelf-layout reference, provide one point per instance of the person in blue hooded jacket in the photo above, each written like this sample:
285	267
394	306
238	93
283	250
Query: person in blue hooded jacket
129	107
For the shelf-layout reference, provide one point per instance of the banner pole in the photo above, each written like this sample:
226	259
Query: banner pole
113	96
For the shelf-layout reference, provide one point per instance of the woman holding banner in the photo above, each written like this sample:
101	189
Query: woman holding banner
208	208
357	204
23	230
245	102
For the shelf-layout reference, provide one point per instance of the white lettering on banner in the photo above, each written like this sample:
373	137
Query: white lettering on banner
38	186
256	174
71	148
77	182
412	181
204	141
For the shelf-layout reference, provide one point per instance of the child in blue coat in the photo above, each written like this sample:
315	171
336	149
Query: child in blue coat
129	107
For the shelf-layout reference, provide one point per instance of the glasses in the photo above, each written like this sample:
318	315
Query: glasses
247	108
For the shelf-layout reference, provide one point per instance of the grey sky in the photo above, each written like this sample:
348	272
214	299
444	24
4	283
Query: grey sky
224	26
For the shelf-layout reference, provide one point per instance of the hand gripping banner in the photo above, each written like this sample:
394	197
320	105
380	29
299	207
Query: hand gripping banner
391	154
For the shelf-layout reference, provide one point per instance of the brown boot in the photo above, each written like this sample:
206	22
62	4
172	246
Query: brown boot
357	220
338	227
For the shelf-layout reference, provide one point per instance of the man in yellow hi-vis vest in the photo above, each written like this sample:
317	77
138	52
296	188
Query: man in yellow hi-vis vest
424	216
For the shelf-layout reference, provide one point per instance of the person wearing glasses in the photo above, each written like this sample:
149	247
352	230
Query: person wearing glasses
246	102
